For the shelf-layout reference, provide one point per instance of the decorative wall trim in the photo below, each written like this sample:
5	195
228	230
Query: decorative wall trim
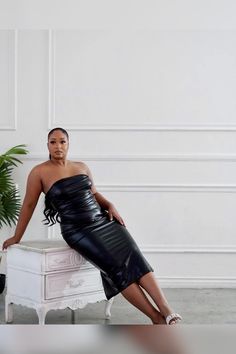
141	157
51	79
199	249
15	77
173	188
13	44
161	157
148	127
197	282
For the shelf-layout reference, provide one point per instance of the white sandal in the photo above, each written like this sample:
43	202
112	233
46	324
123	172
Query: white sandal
173	316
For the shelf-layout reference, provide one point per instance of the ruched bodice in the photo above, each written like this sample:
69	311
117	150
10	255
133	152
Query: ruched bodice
73	200
86	227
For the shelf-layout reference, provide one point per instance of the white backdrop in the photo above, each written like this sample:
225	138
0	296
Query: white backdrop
151	110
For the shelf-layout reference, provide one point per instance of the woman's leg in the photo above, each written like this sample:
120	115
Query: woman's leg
150	284
135	295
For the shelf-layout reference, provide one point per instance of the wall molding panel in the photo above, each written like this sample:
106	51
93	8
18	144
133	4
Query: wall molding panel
52	119
12	80
156	187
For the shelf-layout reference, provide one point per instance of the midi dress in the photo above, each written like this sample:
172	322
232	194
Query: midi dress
86	227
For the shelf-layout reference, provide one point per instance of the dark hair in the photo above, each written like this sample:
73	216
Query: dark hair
58	128
53	130
50	213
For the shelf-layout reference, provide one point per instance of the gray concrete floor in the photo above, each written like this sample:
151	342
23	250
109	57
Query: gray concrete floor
197	306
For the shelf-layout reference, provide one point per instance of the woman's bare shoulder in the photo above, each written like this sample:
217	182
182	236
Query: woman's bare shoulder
80	165
39	169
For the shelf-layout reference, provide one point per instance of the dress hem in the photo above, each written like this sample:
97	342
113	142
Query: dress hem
126	285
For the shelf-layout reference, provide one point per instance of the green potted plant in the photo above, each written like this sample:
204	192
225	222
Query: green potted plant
9	197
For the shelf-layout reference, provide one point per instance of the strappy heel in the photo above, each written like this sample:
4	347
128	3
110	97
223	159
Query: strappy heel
172	316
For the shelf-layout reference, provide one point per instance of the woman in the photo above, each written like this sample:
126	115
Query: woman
91	225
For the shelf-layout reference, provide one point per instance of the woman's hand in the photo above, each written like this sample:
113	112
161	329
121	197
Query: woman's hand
113	212
10	241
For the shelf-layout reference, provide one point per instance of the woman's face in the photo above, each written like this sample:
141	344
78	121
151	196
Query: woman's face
58	145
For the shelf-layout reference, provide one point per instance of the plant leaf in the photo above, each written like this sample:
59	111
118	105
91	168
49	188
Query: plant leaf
15	150
10	207
9	198
6	182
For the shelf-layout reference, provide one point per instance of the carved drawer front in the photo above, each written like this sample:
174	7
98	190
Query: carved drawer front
72	283
63	260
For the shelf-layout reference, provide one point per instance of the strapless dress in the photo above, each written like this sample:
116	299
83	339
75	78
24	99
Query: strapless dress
86	227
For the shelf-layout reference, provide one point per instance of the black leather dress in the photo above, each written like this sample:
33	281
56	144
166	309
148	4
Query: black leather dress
86	227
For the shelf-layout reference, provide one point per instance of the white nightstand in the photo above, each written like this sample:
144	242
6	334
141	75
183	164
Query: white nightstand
48	274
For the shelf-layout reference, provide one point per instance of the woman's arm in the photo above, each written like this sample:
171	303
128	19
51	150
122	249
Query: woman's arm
33	190
103	202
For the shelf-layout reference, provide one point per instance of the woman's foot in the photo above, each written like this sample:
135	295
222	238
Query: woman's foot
170	316
158	318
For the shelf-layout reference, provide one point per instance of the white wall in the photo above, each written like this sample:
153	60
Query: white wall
151	109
